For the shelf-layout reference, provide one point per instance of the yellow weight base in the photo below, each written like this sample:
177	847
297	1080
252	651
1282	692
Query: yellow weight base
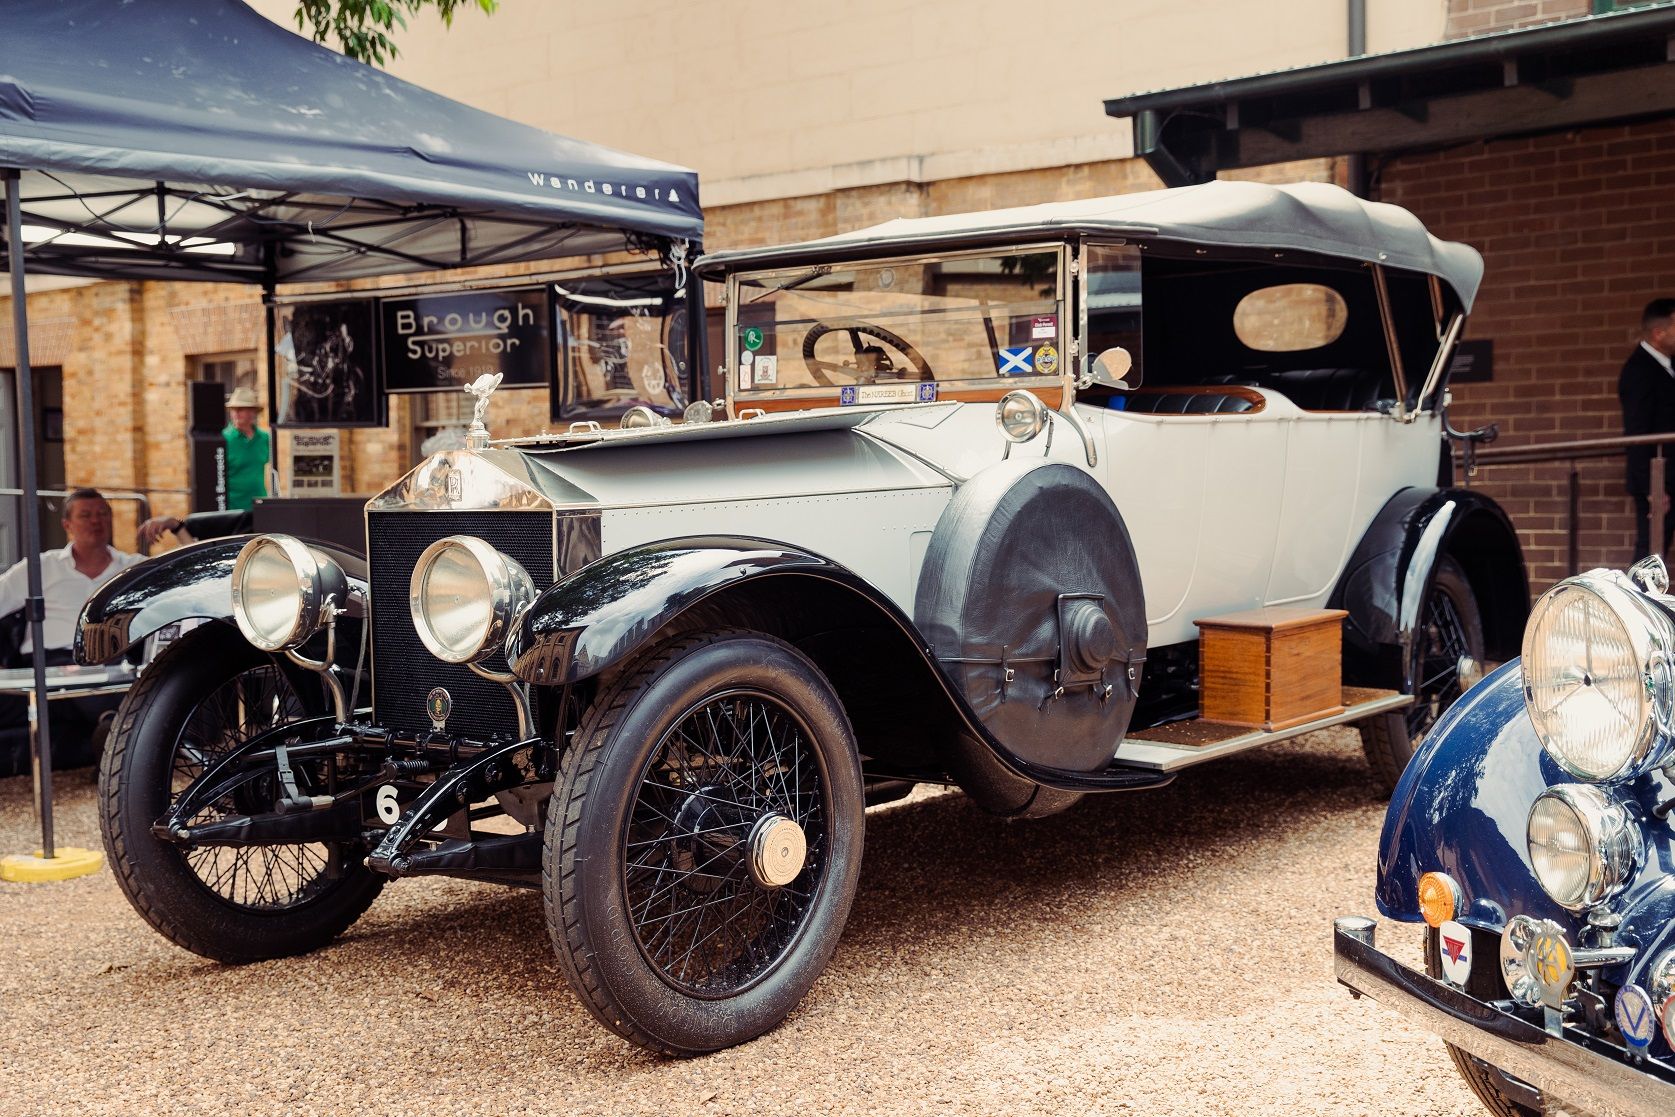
32	868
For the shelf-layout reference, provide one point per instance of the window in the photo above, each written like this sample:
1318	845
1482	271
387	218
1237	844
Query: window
1113	303
1290	317
622	343
230	370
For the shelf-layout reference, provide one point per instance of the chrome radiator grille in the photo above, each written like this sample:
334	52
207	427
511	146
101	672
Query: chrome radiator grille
403	671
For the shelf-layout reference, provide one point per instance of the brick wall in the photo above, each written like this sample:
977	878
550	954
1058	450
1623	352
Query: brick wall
1577	232
1478	17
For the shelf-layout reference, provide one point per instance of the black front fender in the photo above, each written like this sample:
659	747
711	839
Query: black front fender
601	615
597	617
1393	566
183	584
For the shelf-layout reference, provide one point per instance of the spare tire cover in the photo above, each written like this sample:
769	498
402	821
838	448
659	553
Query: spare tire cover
1013	540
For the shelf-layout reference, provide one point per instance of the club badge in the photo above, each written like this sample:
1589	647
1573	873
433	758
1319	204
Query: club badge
1454	939
438	705
1637	1017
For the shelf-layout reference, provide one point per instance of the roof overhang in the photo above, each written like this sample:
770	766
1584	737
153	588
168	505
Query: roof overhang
1599	69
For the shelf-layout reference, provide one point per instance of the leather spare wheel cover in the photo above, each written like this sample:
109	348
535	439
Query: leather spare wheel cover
1031	562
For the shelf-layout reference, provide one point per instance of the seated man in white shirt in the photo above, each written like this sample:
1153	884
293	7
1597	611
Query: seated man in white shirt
68	577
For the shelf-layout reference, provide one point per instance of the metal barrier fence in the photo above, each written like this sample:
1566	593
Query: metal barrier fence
1470	460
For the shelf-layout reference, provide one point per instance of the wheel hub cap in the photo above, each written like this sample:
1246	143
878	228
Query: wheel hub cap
778	850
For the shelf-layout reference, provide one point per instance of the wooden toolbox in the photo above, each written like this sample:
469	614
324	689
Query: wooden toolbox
1271	668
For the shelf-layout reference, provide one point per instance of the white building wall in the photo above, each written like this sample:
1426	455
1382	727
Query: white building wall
787	98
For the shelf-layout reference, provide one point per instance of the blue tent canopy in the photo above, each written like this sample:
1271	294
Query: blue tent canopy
195	139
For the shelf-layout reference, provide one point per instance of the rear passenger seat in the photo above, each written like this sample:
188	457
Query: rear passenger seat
1331	389
1208	401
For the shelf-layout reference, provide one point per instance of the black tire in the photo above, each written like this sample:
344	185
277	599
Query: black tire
1500	1094
1450	625
620	788
205	692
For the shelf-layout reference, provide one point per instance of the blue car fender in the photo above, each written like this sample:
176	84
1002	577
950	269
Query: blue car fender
1462	807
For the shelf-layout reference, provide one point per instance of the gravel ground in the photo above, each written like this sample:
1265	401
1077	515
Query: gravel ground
1150	953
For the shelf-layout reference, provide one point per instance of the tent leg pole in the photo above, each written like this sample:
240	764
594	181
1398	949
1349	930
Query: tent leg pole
35	606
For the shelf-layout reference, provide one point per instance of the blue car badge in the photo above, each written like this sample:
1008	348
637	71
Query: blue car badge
1637	1017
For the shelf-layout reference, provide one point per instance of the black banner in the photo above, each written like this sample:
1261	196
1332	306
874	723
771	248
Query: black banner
443	342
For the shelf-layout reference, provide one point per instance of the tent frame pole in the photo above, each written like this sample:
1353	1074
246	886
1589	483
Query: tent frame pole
40	736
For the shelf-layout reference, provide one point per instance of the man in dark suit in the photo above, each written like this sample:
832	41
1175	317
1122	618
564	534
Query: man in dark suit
1646	388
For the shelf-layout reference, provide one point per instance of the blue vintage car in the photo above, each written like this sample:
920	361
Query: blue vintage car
1530	838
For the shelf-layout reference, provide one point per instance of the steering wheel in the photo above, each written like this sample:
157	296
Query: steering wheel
868	358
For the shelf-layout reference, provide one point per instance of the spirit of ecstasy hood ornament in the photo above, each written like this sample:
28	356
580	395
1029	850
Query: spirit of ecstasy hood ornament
477	435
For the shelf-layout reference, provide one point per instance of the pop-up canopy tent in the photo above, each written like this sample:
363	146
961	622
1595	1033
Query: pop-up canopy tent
196	140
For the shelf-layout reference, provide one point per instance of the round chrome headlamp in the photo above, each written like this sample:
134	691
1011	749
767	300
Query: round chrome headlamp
281	588
1597	677
463	596
1583	845
1020	415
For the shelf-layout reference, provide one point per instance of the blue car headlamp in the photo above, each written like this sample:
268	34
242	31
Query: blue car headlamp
1598	679
1583	845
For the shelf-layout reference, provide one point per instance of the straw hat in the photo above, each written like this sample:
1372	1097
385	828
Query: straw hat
243	397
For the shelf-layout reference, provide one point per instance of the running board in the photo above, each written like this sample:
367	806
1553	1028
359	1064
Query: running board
1181	744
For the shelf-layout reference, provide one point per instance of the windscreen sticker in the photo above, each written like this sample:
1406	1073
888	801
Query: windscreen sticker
753	338
767	370
851	394
1019	361
1044	327
744	374
1046	360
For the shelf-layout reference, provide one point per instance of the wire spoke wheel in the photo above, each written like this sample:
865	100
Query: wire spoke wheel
728	776
1449	632
704	842
208	693
261	877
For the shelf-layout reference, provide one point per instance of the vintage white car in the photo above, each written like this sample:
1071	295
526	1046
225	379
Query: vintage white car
973	482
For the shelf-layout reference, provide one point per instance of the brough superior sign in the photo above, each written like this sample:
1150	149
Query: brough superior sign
448	340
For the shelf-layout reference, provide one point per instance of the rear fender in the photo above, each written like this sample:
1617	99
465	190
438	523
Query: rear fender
1397	559
193	582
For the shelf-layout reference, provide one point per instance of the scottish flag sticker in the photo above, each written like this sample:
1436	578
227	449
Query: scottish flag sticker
1019	361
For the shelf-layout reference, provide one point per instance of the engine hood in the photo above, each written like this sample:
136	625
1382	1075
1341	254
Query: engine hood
773	462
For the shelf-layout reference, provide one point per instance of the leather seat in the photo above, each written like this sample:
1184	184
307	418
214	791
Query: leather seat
1183	403
1332	389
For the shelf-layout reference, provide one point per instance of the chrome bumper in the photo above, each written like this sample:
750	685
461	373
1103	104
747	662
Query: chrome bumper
1576	1069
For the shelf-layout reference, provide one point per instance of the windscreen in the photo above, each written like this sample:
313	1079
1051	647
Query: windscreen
959	318
622	343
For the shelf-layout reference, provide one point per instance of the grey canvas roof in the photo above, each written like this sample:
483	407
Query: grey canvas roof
194	139
1304	216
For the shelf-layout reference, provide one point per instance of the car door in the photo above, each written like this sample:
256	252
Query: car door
1201	495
